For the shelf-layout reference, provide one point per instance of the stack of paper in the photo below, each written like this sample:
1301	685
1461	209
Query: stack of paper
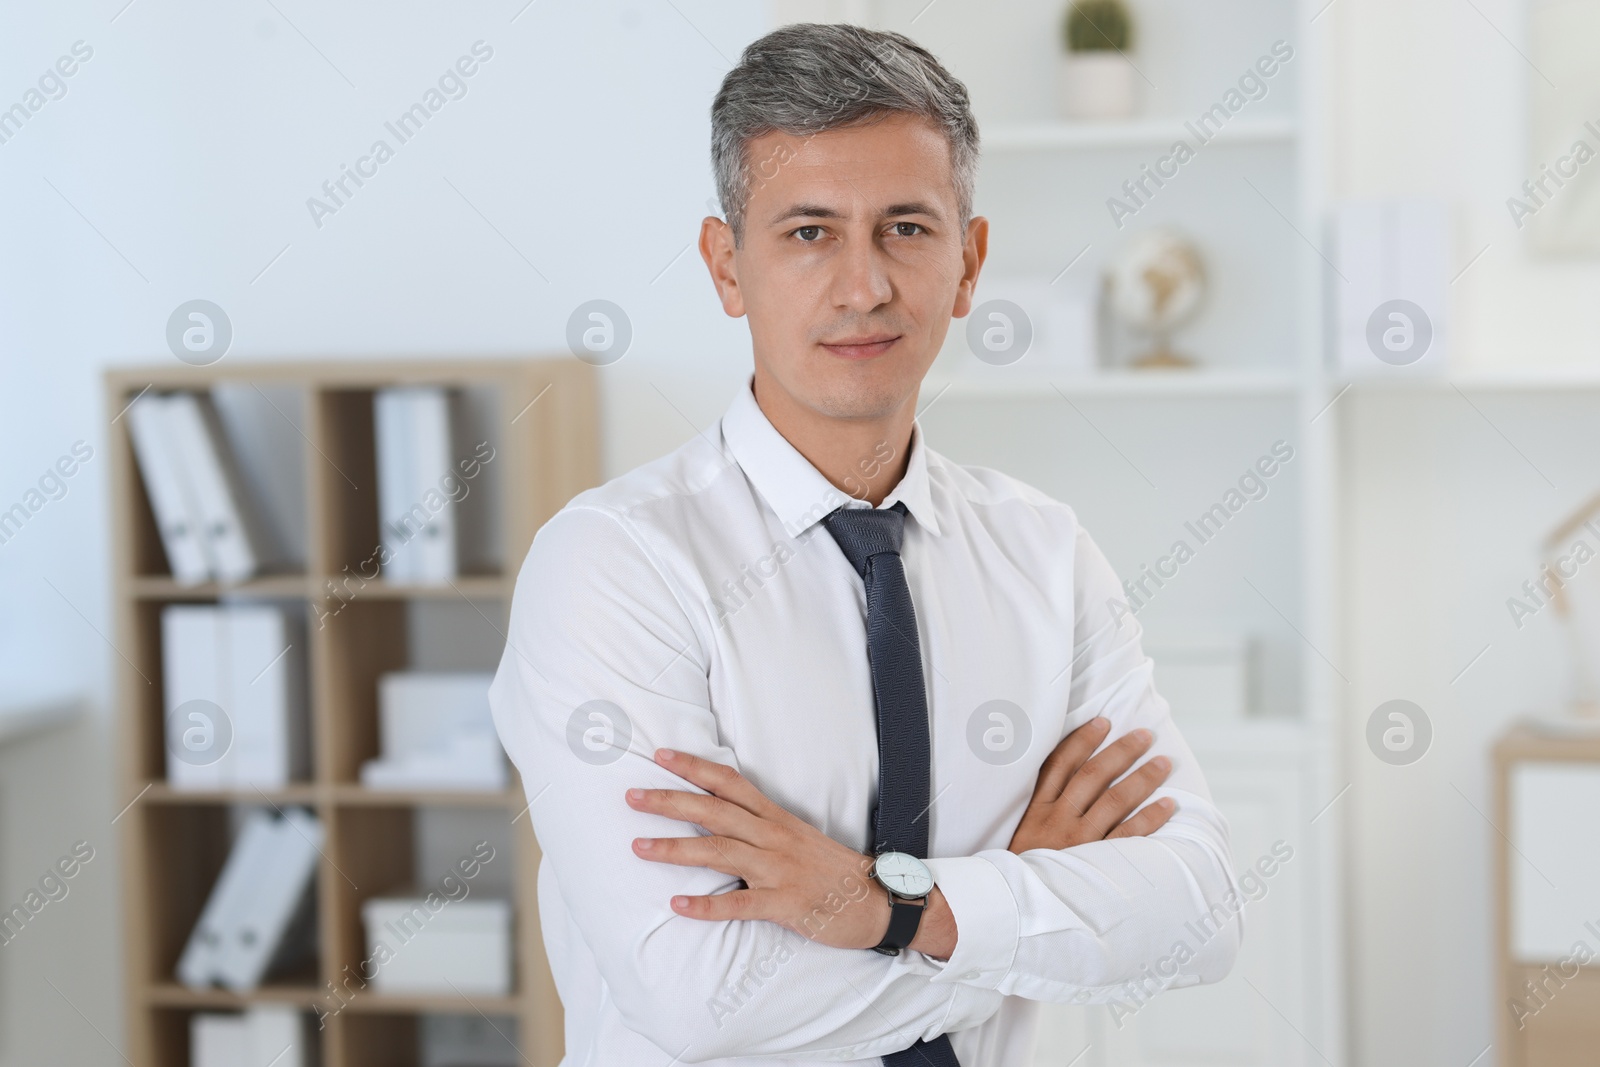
207	526
260	911
247	662
416	513
435	731
275	1035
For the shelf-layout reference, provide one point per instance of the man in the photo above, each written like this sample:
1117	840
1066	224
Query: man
804	688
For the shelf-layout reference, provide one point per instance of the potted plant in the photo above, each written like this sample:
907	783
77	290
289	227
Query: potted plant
1097	80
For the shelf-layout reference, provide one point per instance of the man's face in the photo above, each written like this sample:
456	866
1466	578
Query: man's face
853	262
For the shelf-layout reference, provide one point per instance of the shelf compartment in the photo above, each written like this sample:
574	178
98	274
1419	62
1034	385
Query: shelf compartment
184	849
399	849
355	642
168	1029
351	539
264	446
144	669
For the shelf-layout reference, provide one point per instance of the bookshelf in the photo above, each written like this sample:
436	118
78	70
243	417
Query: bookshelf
540	415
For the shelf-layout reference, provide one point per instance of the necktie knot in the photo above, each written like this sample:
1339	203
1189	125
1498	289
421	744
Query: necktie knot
866	532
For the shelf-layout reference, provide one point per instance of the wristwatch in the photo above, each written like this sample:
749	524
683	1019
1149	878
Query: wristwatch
908	882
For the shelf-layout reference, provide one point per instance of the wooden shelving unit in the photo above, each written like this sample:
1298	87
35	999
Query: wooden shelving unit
174	841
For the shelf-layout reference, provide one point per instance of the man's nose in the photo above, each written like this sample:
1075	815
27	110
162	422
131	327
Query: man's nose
862	279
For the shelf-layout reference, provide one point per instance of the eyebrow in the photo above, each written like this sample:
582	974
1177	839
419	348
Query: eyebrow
818	211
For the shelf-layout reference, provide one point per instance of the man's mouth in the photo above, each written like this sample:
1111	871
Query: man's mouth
863	347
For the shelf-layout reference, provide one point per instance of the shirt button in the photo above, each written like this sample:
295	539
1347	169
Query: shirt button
970	976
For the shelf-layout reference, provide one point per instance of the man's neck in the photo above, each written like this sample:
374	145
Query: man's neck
864	458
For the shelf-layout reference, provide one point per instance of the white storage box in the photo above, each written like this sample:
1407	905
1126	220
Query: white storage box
435	731
420	710
464	946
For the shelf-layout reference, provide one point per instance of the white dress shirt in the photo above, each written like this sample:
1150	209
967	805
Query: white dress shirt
701	596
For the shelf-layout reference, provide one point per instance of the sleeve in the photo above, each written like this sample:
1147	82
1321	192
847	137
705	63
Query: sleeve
1078	925
602	666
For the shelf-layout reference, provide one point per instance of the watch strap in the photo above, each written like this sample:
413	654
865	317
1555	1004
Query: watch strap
904	919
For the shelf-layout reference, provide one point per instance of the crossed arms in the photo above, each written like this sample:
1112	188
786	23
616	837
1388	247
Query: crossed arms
1065	913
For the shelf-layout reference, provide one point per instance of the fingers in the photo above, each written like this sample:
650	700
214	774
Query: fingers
1147	821
724	854
1121	799
737	904
1091	780
715	814
721	780
1068	756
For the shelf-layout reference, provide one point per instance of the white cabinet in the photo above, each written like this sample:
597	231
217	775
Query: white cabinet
1554	870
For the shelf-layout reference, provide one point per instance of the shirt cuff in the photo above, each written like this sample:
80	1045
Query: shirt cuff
988	921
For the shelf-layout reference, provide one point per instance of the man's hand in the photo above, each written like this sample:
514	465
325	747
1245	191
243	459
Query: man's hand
796	876
1071	804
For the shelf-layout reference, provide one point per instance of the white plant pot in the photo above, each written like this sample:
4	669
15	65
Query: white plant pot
1097	85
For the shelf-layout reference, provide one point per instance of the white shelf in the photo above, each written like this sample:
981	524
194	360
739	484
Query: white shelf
1153	132
1221	383
1531	379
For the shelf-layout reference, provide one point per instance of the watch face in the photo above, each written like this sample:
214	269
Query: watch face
903	875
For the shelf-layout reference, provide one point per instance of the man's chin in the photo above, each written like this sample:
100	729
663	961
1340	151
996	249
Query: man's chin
862	399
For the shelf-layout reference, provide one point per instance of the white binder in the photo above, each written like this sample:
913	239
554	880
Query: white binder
255	928
391	417
248	660
430	442
194	663
266	687
171	499
201	963
224	523
415	514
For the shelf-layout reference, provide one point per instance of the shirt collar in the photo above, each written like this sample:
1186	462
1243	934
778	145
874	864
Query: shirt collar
794	489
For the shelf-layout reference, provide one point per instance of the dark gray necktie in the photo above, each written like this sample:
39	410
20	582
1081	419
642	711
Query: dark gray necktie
870	539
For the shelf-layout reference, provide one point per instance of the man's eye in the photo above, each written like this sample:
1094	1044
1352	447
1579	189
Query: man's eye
907	229
808	233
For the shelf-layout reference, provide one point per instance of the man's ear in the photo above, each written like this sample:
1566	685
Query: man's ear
716	248
974	250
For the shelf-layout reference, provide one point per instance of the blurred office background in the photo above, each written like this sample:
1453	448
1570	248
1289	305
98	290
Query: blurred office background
1362	268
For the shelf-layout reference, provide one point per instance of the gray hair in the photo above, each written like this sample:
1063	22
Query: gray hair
812	77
